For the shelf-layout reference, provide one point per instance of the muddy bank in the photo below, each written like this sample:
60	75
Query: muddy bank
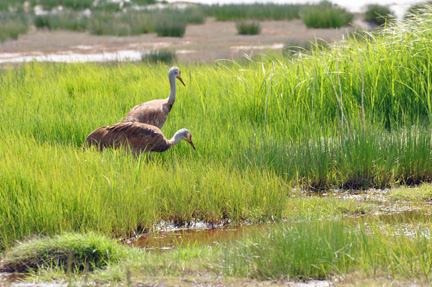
202	43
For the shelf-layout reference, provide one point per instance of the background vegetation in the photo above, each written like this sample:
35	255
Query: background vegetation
354	115
325	15
377	14
358	114
248	28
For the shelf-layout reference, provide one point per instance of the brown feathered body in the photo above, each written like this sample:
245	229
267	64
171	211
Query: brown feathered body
155	112
137	137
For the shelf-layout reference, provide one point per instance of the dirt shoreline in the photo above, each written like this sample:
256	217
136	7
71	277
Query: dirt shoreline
208	42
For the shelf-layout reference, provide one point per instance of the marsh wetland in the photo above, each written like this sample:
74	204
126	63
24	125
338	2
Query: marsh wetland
313	164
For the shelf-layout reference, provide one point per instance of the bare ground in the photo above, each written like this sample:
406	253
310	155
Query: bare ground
201	43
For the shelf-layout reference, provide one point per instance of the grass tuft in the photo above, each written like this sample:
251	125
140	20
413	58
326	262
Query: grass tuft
12	25
248	28
77	252
73	21
377	14
325	15
255	11
170	27
160	56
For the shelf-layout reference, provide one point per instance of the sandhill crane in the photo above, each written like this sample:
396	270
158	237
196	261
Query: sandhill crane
138	137
155	112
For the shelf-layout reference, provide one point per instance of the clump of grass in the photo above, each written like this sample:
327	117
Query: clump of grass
78	4
310	250
73	21
160	56
76	252
144	2
377	14
194	15
248	28
254	11
294	47
106	23
416	194
170	27
419	9
325	15
317	250
71	4
107	6
12	25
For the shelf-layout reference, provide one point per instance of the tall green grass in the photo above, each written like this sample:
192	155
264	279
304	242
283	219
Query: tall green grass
377	14
12	25
295	251
259	127
120	24
325	15
76	252
170	27
255	11
319	250
248	28
73	4
160	56
68	20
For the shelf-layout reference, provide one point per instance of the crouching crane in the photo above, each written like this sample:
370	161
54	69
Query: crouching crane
138	137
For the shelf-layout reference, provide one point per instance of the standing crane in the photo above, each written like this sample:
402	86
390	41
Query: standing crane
155	112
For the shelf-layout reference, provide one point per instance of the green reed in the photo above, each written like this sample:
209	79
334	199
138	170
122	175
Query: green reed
377	14
12	25
68	20
248	28
160	56
259	127
293	250
320	250
254	11
325	15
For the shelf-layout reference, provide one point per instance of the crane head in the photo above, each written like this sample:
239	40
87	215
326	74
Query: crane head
186	135
177	72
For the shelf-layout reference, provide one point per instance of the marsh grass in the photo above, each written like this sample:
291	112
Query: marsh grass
170	27
248	28
420	193
292	48
324	15
77	252
419	9
255	11
193	15
318	250
143	2
12	25
67	20
70	4
377	14
77	4
296	251
259	127
120	24
160	56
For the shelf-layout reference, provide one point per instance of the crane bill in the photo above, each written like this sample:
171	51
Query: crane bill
192	145
181	80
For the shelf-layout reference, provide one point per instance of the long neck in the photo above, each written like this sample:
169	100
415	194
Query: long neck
175	139
172	96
